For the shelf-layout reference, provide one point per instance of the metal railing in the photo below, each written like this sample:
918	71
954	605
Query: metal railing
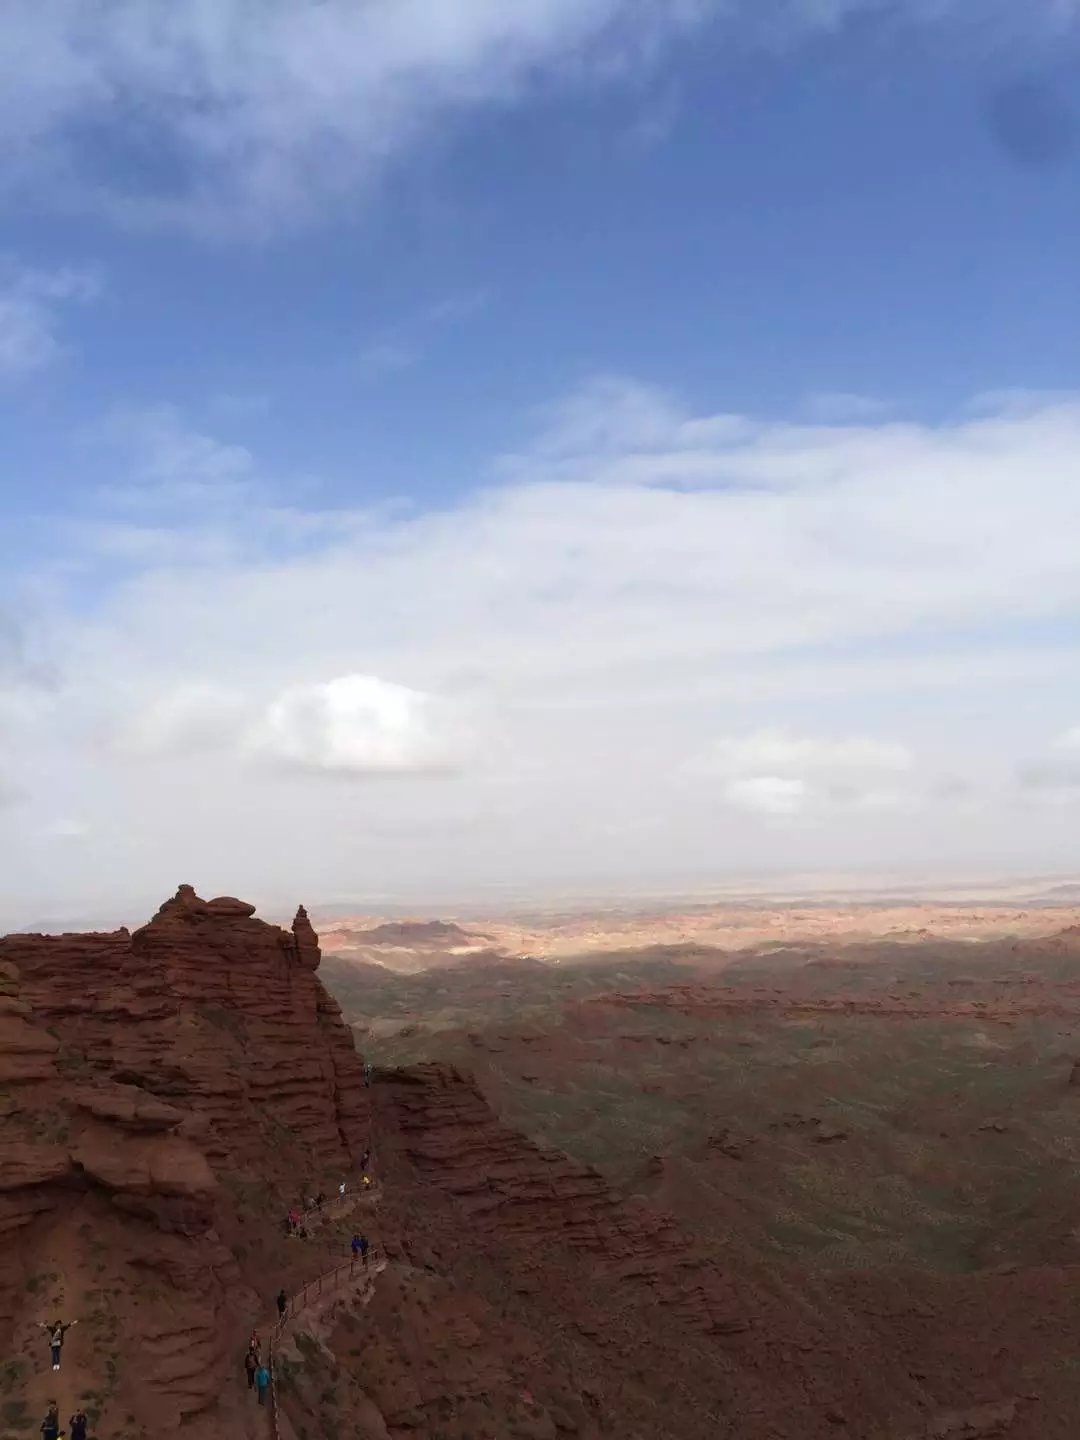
299	1302
336	1206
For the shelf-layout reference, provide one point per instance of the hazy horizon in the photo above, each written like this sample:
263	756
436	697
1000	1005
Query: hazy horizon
583	897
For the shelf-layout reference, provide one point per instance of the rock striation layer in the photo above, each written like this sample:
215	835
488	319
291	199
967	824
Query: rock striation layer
163	1091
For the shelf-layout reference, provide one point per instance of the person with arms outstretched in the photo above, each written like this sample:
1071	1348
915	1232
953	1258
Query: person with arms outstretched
57	1330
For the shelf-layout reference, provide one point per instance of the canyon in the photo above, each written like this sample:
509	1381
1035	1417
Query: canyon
806	1191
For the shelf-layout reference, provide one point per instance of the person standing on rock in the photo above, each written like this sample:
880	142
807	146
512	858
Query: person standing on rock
251	1364
50	1426
262	1383
355	1247
77	1424
282	1304
341	1190
57	1331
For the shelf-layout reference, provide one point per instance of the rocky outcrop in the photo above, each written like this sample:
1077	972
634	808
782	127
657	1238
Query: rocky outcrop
206	1009
162	1089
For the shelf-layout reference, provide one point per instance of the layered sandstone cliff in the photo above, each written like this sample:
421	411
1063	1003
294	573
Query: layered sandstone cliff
164	1092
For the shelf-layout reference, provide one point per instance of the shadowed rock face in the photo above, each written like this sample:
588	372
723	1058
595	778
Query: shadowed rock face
147	1078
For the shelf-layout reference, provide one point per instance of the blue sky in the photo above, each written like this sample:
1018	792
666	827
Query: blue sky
452	444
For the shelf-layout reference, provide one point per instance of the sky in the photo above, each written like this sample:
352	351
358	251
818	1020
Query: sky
453	448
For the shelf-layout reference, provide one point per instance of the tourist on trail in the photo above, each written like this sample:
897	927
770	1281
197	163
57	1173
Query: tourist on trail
78	1424
363	1248
254	1348
320	1199
57	1331
251	1364
341	1190
364	1158
294	1219
50	1426
355	1246
262	1383
282	1303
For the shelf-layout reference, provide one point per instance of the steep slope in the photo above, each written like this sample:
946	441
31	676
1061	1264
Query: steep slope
167	1095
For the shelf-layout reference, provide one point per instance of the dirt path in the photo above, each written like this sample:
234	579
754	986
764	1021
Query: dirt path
352	1279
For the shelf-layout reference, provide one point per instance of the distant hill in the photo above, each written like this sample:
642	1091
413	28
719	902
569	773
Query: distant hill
412	932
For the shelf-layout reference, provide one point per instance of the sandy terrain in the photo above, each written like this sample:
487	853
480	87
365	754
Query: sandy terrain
415	945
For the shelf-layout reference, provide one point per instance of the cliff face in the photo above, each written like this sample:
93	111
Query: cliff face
163	1092
621	1306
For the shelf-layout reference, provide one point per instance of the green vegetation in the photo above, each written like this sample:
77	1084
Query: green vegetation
12	1375
838	1139
15	1415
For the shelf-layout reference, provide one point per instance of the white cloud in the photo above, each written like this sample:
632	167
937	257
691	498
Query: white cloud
776	773
191	717
830	617
257	109
263	105
768	794
166	462
358	725
1070	740
30	314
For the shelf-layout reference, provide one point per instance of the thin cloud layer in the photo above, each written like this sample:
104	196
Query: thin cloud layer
598	670
242	114
775	773
31	303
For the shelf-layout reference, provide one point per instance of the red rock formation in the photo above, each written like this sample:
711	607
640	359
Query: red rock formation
622	1301
166	1089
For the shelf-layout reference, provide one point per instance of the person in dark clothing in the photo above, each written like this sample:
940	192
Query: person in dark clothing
363	1248
57	1330
320	1199
364	1158
282	1303
262	1383
251	1364
50	1426
77	1424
